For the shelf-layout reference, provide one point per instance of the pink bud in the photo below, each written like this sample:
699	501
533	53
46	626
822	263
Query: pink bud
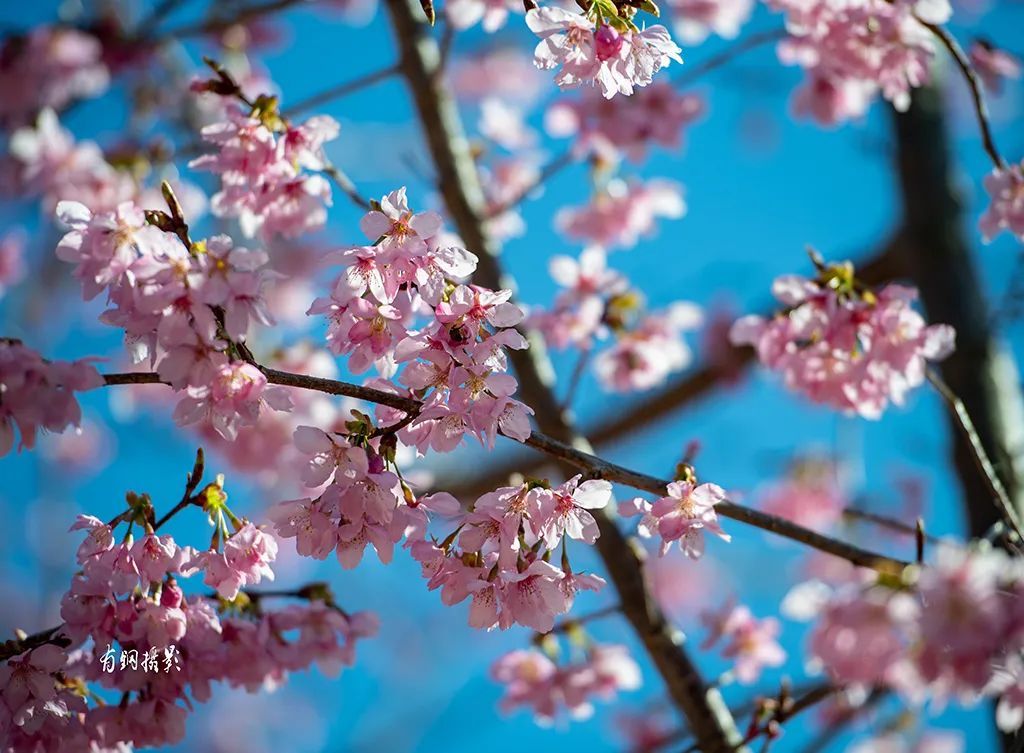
607	42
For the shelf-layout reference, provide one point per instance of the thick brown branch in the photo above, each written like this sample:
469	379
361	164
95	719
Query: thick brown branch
463	194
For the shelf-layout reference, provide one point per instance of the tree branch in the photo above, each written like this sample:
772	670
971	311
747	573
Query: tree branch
463	194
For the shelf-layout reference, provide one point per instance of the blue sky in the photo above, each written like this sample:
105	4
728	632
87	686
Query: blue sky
760	188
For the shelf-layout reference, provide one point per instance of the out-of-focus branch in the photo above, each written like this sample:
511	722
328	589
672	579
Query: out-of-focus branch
463	194
980	372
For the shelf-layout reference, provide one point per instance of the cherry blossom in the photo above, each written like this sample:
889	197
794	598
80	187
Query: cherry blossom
623	213
854	352
657	114
751	642
49	67
533	681
1005	187
694	20
995	66
853	50
38	394
598	54
491	14
12	260
682	516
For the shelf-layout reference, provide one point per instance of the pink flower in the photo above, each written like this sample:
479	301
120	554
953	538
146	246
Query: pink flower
751	642
1008	683
306	521
48	67
657	114
37	394
852	352
503	124
494	13
862	637
623	213
532	680
696	19
617	61
853	50
564	511
28	688
809	496
236	395
1005	187
49	163
399	229
245	561
685	514
994	65
644	357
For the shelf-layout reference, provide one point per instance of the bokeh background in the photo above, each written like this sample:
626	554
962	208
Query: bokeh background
761	186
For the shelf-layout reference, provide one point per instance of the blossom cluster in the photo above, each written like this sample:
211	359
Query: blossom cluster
37	394
46	161
261	159
854	49
615	56
956	630
128	594
683	515
1005	187
622	212
596	302
534	681
657	114
48	67
751	642
841	346
499	555
185	309
695	20
397	304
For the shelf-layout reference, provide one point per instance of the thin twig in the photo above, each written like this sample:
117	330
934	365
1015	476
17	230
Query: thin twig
191	484
981	459
975	85
340	90
574	380
342	181
691	73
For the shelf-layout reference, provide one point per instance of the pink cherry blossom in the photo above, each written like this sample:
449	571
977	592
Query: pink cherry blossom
493	13
623	213
853	353
236	395
657	114
48	68
995	66
645	356
685	514
1005	212
751	642
38	394
694	20
585	54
